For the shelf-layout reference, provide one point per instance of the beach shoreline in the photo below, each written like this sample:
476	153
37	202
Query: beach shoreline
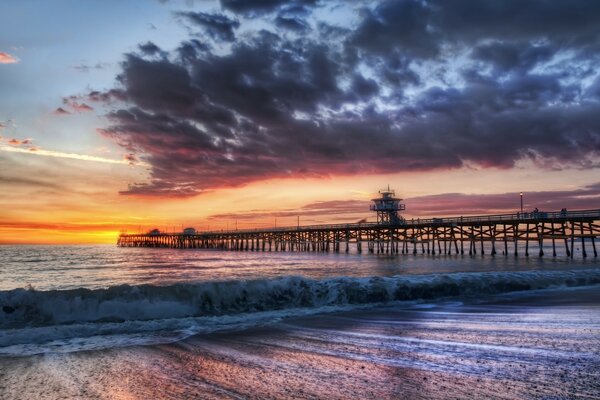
543	344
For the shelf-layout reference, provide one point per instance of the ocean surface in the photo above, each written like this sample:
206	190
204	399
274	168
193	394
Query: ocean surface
122	323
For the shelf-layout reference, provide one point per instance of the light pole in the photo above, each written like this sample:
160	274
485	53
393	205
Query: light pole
521	194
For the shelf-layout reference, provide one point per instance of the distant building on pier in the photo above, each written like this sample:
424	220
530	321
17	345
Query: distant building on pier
387	207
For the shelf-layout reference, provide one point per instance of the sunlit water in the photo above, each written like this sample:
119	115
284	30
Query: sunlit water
107	322
101	266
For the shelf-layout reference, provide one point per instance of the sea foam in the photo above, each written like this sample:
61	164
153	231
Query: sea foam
28	315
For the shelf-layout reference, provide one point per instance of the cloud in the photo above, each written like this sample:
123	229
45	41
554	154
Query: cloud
291	23
75	104
61	111
439	205
217	26
321	210
6	58
87	68
149	48
58	154
422	29
6	181
258	7
64	227
405	86
507	57
131	159
81	107
452	204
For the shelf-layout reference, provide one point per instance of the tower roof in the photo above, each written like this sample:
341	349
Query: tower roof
387	194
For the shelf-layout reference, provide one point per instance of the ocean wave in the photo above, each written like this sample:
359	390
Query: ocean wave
26	314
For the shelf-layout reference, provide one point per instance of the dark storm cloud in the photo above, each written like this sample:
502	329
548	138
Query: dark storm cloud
419	28
394	25
411	85
513	56
189	50
149	48
256	7
217	26
570	23
291	23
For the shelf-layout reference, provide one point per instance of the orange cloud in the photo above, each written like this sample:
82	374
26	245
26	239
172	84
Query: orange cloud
48	233
6	58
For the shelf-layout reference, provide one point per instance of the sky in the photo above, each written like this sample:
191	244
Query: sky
127	116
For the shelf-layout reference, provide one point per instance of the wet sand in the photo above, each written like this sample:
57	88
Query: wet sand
543	345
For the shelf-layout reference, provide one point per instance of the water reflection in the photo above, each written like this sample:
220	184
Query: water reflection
67	267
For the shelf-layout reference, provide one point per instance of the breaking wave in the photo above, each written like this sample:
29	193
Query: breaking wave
35	317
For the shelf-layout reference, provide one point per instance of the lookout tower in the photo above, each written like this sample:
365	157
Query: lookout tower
387	207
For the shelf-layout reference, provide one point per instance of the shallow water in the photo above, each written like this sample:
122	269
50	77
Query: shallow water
509	347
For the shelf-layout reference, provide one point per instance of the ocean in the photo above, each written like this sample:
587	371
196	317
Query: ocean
136	323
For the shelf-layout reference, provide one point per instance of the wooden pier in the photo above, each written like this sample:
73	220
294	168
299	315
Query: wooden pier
507	234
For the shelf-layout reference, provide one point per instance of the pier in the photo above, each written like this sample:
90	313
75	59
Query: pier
532	233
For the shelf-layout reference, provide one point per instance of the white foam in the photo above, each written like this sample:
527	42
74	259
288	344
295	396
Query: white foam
141	314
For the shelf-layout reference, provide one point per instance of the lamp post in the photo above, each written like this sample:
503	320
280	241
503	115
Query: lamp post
521	194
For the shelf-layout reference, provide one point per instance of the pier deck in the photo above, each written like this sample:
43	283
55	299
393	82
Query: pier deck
505	233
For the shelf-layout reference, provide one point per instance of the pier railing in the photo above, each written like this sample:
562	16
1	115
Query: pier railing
515	217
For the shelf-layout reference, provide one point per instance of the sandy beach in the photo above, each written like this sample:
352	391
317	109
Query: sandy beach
538	345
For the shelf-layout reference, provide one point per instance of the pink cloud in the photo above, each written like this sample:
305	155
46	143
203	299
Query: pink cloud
81	107
451	204
6	58
77	106
439	205
131	158
14	142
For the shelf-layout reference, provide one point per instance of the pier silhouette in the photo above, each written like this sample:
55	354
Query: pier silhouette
518	233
